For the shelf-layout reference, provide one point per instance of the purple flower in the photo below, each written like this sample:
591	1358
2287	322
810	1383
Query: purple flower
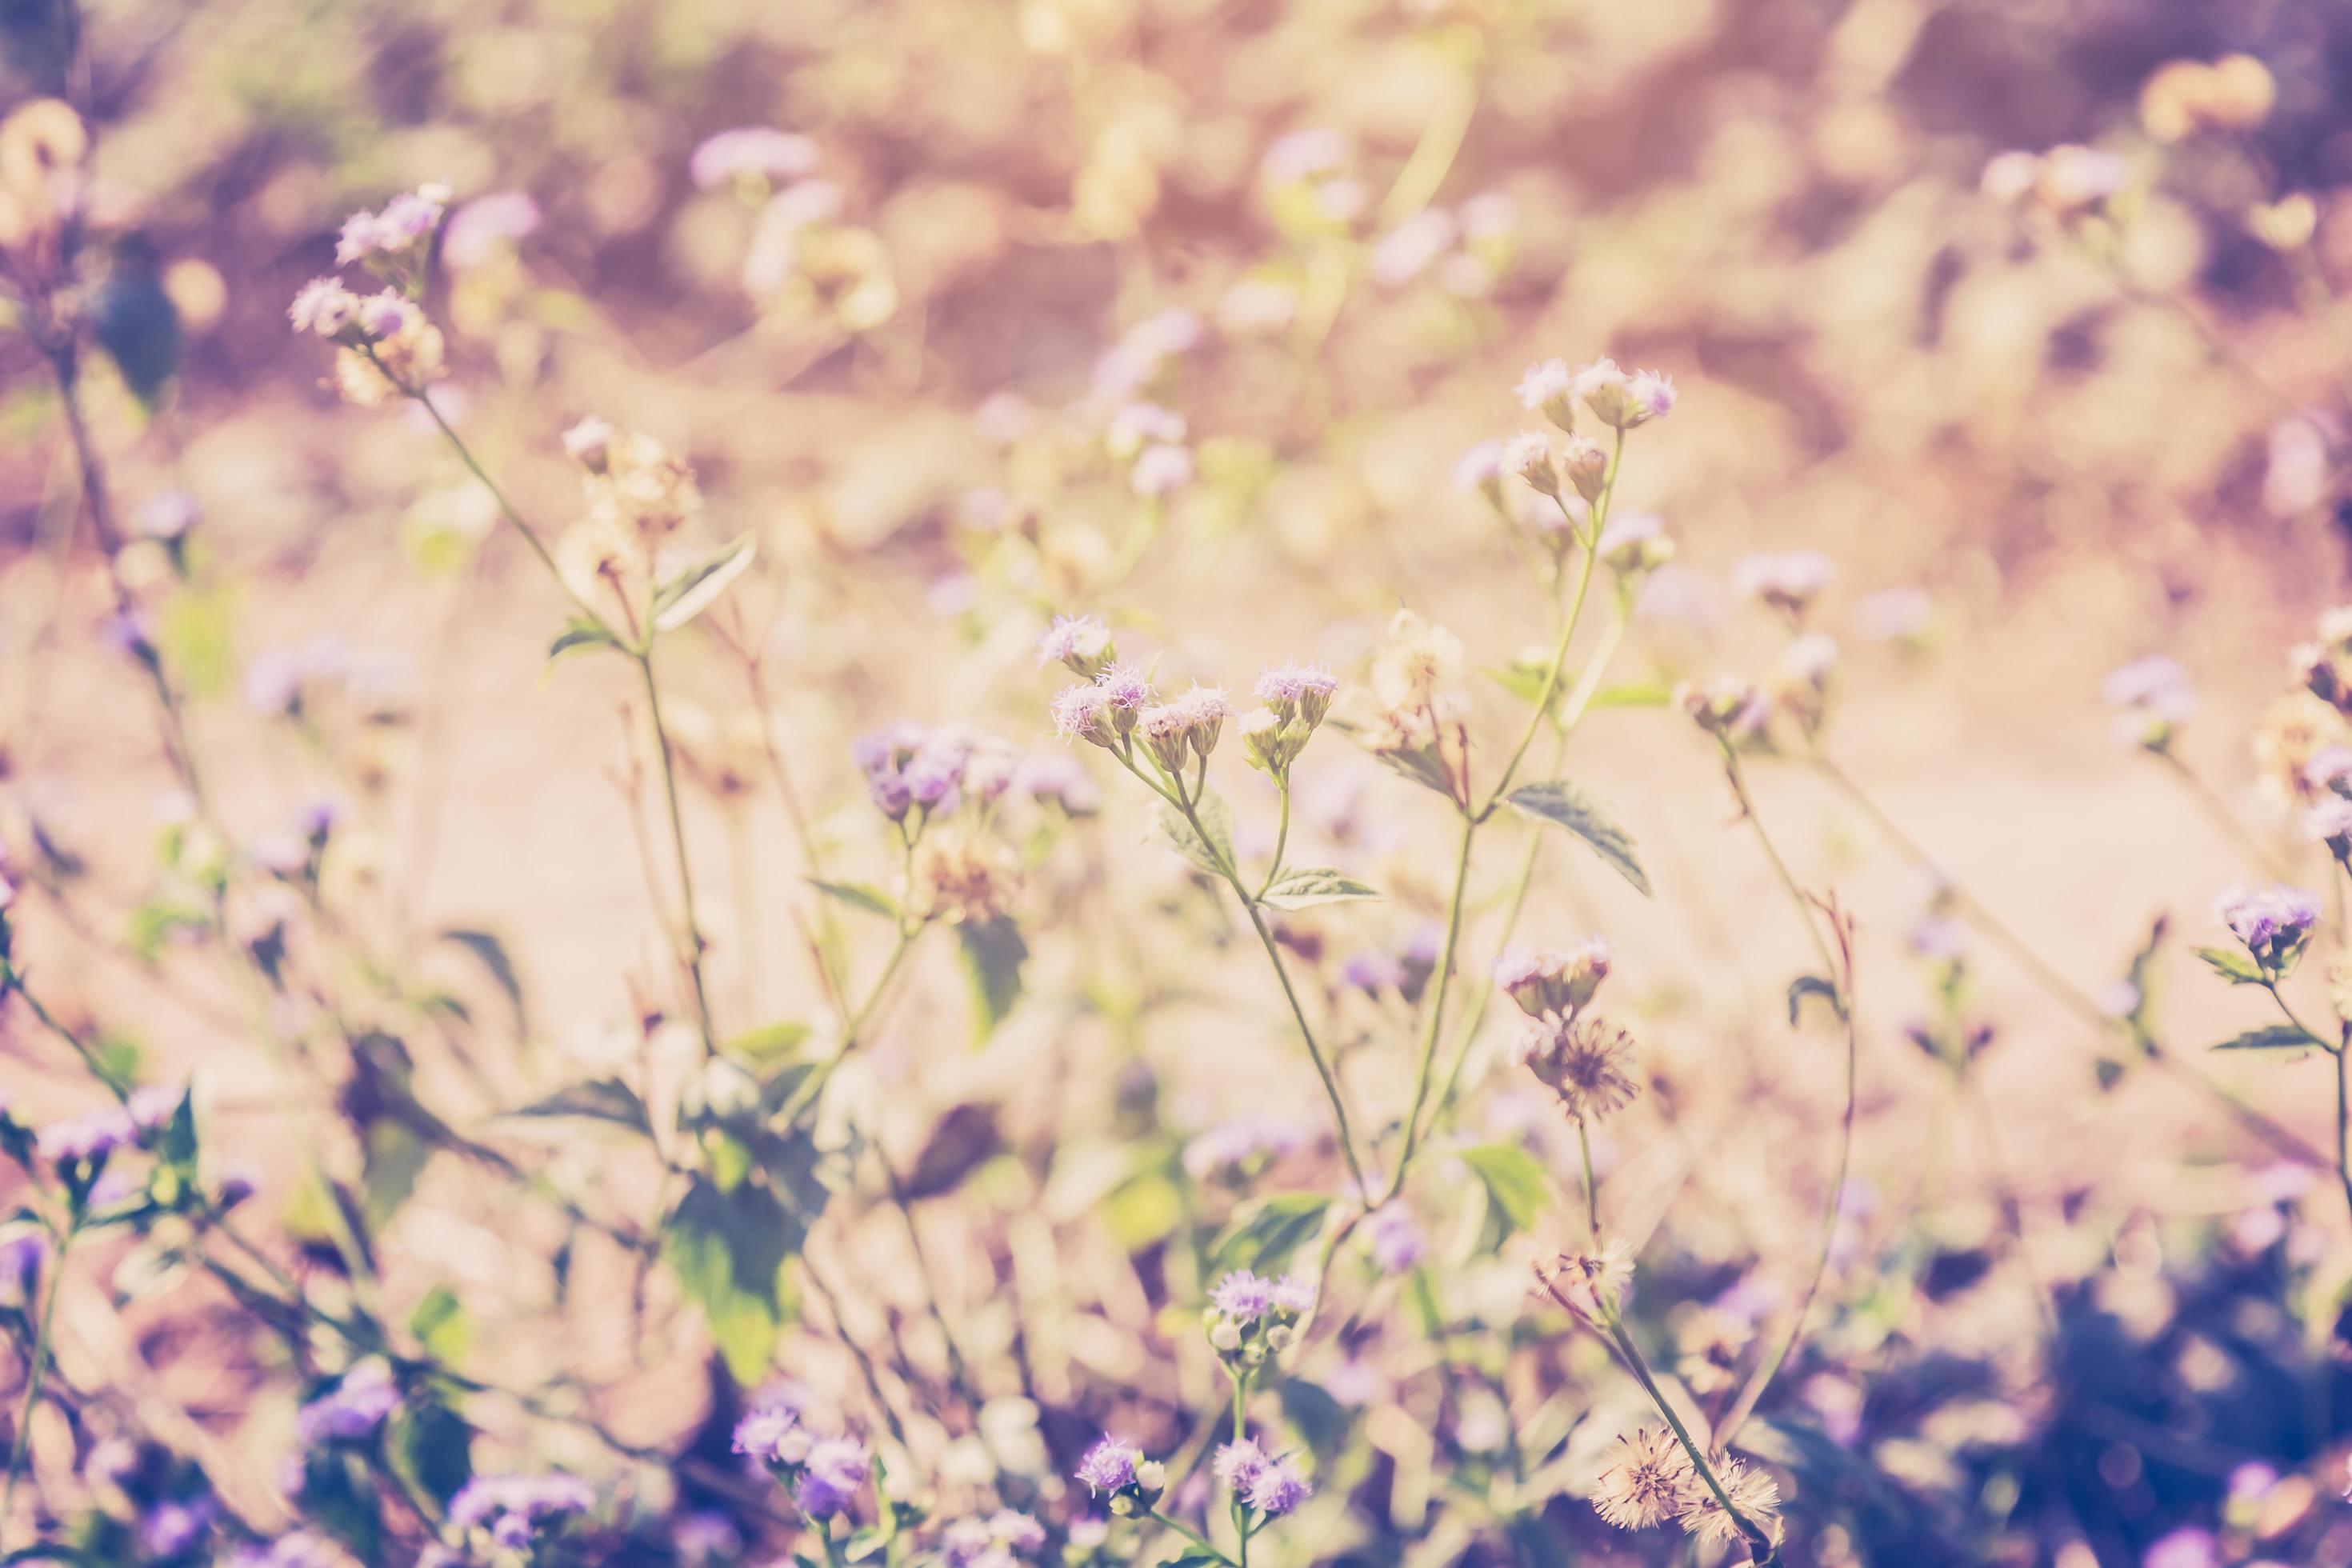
2273	922
1240	1463
1109	1464
837	1470
89	1139
1084	713
1373	972
1243	1296
351	1410
506	1505
323	306
1277	1489
1128	687
152	1108
1297	691
21	1258
2151	697
772	1434
1396	1242
173	1528
1294	1294
1081	642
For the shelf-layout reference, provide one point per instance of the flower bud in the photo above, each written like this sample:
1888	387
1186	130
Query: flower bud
1530	456
1549	389
1079	642
1586	467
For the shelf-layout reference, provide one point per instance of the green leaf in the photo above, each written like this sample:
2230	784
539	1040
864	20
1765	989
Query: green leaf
1634	694
580	634
1805	985
994	954
1515	1179
1565	805
2235	967
727	1249
598	1099
1262	1235
695	589
1303	887
441	1325
1192	1559
859	896
1213	854
491	952
2276	1037
768	1043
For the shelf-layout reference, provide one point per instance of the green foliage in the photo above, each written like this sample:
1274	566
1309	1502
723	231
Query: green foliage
1517	1185
2276	1037
994	954
1264	1232
1304	887
1561	803
2231	966
859	896
1213	854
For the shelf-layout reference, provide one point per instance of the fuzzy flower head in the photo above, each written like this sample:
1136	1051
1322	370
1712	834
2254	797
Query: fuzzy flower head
1277	1489
1480	470
1590	1283
1084	713
1789	583
1239	1463
2152	698
1635	543
1417	665
1251	1316
1081	643
1115	1468
2330	822
772	1434
1729	707
2274	923
395	241
324	306
1534	459
1649	1482
1751	1491
832	1476
1553	982
1621	401
1549	389
1297	692
1587	1062
1128	689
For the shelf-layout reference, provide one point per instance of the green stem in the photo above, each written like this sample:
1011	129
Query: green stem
32	1376
692	941
1591	1186
1281	839
1759	1545
1193	1535
853	1031
1838	976
1436	1016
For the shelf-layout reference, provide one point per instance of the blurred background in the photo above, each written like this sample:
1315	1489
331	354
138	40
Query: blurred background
885	272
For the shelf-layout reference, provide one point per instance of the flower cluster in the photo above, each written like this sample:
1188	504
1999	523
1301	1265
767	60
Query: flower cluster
1553	984
1267	1486
2274	924
508	1512
1116	1469
386	347
1586	1062
1251	1317
2151	699
1003	1540
1292	701
824	1474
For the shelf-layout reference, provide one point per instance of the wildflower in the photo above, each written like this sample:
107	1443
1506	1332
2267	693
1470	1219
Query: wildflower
1553	982
1141	424
1111	1466
1297	692
1585	466
1165	731
1239	1463
1294	1295
1535	459
772	1434
323	306
1277	1489
1397	1243
1243	1296
2330	822
750	153
384	241
1080	642
2151	698
174	1527
1204	709
1650	1483
1590	1284
990	1542
1130	691
353	1410
1240	1148
513	1508
1084	713
88	1140
1753	1492
1418	661
2296	731
1481	469
1160	471
1583	1062
1636	543
2273	924
1551	389
1619	401
2329	770
832	1476
1653	395
1789	583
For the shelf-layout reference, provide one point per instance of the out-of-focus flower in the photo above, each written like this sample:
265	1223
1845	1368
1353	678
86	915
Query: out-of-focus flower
1789	583
2152	698
1241	1148
1396	1242
1413	247
352	1410
1553	984
484	228
1751	1491
751	152
835	1472
2272	923
1649	1482
2184	97
1277	1487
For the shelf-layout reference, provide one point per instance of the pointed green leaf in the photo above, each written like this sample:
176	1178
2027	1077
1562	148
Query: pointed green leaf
2235	967
727	1249
580	634
599	1099
695	589
1569	805
994	954
1515	1181
1212	854
2276	1037
859	896
1303	887
1262	1235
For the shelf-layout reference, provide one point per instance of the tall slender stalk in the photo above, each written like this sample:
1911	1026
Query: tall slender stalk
34	1370
1838	972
